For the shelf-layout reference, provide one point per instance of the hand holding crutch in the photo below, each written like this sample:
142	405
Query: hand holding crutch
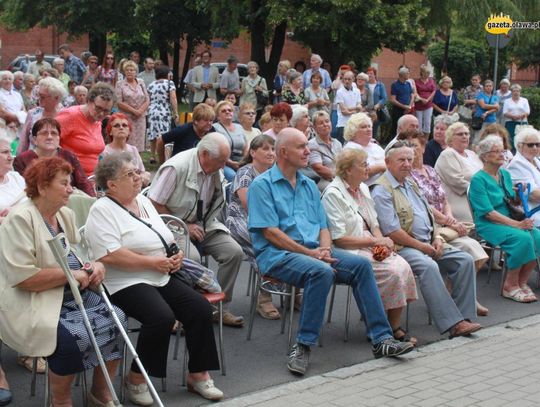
60	254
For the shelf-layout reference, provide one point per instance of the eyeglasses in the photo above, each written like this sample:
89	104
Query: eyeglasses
462	134
131	174
531	145
496	152
249	113
225	111
53	133
118	125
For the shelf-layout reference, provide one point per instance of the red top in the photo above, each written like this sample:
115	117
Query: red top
78	177
424	90
81	136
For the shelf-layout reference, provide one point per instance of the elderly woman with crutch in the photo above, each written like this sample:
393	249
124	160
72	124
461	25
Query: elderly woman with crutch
38	312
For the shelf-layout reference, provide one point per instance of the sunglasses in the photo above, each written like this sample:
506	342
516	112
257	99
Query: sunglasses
531	145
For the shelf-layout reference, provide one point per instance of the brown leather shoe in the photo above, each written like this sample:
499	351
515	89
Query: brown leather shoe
230	319
464	328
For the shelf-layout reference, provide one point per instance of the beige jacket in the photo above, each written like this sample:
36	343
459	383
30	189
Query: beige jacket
197	81
29	320
183	201
456	173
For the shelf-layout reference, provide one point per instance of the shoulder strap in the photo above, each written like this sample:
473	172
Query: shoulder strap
163	242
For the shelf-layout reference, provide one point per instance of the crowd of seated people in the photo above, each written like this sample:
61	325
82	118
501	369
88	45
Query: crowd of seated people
302	206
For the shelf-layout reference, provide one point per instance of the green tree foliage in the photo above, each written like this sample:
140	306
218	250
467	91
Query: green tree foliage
465	57
533	96
343	30
75	17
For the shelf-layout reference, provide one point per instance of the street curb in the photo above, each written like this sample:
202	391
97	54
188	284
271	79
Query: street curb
281	390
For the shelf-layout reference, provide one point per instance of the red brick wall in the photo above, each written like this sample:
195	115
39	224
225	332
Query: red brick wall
15	43
388	63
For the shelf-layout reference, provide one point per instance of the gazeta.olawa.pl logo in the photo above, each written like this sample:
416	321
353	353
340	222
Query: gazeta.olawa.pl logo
502	24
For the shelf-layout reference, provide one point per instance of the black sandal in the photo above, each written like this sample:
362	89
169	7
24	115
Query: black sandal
405	337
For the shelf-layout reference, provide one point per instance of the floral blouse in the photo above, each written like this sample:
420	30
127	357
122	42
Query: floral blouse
292	99
431	186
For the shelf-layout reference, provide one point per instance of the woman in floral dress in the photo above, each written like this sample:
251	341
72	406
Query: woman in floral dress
162	101
133	100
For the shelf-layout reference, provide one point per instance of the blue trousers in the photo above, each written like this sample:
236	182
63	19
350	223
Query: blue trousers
317	277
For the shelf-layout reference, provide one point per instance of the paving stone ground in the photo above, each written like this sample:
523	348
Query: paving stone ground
498	366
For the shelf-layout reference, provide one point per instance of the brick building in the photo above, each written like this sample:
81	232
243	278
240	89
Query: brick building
387	62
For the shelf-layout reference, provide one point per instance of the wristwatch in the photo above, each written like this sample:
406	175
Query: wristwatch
88	268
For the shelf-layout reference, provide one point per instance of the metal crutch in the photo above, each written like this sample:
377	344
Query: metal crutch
60	254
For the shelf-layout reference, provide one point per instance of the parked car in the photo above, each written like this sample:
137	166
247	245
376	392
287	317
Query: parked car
242	69
15	65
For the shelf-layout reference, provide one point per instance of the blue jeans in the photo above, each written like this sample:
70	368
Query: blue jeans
317	277
333	119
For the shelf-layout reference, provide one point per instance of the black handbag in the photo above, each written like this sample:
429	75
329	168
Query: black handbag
477	122
383	115
513	203
262	98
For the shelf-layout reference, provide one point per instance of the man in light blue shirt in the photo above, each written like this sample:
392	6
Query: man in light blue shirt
316	62
292	244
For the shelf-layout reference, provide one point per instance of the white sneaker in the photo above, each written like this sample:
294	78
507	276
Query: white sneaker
139	394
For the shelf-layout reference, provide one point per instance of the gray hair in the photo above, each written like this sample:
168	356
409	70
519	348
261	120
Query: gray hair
109	167
58	61
403	119
252	63
80	88
446	119
355	121
317	57
28	76
18	74
212	143
485	146
9	74
298	111
449	135
318	114
103	90
54	87
4	138
515	86
523	134
292	74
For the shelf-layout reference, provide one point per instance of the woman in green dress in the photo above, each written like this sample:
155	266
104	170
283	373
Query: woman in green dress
519	239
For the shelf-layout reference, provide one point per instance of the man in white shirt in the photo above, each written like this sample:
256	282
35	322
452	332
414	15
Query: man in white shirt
348	101
38	64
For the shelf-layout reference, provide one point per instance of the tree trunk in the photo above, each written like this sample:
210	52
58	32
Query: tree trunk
187	60
97	44
176	60
257	29
164	52
446	48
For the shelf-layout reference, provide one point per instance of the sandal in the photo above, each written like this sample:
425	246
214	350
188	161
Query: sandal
267	310
28	363
517	295
405	337
529	292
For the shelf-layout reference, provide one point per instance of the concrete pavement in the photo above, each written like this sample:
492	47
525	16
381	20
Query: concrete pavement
497	366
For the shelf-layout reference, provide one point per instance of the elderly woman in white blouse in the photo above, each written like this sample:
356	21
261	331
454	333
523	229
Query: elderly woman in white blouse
456	166
352	222
525	166
515	111
359	136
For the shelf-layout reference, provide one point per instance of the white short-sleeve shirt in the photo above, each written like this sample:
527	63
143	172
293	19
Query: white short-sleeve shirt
109	228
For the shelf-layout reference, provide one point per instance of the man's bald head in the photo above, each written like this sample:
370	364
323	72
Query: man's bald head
286	136
291	149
